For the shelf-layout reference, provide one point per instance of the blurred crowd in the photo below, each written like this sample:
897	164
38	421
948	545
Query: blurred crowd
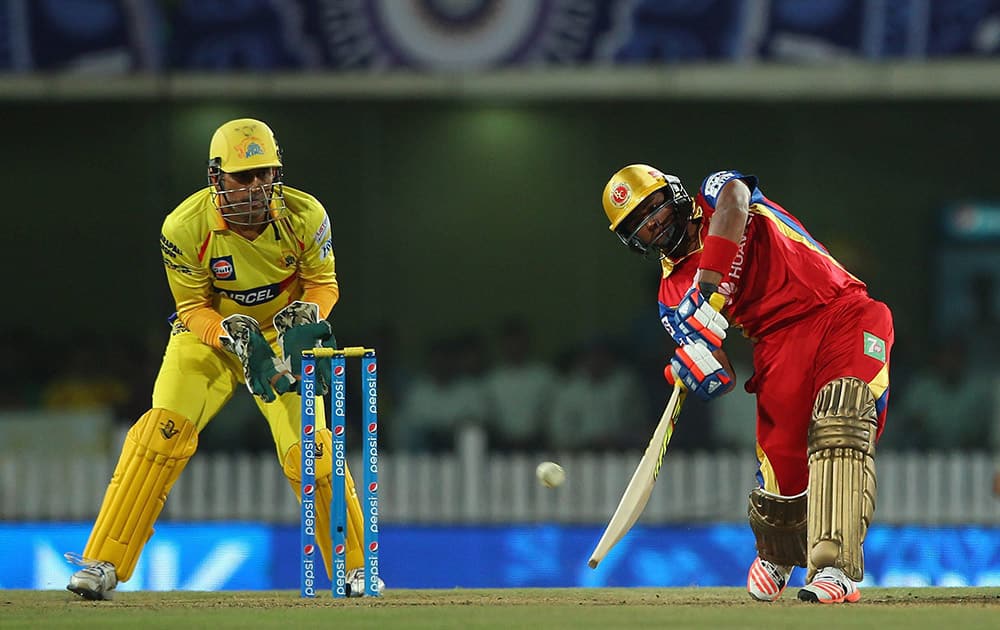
604	393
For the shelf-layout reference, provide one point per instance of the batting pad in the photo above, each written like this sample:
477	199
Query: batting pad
779	525
156	449
841	476
354	538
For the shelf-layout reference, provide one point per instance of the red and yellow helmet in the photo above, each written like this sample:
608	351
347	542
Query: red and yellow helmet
629	187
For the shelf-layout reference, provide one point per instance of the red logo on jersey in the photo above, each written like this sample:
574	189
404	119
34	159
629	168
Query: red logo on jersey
222	268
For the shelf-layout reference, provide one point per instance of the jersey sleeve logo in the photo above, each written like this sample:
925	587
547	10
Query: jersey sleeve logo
322	231
168	248
222	268
714	183
169	264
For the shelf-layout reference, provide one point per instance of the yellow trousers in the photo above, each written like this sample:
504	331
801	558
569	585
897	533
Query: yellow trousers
194	383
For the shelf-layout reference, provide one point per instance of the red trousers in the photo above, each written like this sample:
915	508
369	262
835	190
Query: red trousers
850	337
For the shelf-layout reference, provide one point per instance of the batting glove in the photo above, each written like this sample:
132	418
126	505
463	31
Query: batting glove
700	372
700	321
673	325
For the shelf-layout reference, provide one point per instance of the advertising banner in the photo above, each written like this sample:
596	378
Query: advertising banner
241	556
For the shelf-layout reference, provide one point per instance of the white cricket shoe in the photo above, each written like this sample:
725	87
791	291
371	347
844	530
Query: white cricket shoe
94	581
766	581
355	583
830	586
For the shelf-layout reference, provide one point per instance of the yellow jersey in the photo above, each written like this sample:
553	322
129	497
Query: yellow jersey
214	272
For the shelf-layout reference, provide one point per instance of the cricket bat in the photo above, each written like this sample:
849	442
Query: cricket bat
636	495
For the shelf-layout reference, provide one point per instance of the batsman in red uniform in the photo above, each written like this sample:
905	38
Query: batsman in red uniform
820	357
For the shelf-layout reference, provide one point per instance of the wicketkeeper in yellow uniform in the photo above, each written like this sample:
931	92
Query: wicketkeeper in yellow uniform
250	264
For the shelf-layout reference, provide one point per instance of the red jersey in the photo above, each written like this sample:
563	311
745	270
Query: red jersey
779	275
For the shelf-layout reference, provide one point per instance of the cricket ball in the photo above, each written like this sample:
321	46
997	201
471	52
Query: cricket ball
550	474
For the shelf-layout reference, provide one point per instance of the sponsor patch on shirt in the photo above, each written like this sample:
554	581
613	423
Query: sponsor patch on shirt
168	248
254	296
326	249
322	231
222	268
874	347
169	264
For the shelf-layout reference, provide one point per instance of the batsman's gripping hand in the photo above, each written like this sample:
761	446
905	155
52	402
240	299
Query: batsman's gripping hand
699	371
673	326
300	328
699	319
263	372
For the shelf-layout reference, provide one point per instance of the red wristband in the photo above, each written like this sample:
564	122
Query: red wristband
718	254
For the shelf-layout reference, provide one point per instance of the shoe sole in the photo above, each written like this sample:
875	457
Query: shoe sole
768	599
88	594
808	596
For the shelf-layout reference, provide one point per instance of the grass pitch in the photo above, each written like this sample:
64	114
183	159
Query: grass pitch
538	609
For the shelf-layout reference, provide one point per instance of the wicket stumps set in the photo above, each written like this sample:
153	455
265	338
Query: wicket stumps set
338	504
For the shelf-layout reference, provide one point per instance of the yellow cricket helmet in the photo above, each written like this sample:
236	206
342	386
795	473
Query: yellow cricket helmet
243	144
238	146
628	188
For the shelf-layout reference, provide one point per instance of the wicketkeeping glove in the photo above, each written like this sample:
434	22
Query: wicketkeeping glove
300	328
263	372
700	372
700	320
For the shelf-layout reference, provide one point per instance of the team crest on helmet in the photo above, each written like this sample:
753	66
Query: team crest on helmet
620	194
249	147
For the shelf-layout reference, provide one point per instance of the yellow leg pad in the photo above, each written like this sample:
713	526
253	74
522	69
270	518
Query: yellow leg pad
841	476
156	449
324	496
779	525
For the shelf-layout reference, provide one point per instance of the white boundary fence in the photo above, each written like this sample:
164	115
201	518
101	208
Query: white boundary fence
471	486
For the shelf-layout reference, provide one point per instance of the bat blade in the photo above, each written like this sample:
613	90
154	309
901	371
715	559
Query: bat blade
640	487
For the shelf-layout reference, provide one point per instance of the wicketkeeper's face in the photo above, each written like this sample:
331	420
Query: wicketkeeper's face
247	195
